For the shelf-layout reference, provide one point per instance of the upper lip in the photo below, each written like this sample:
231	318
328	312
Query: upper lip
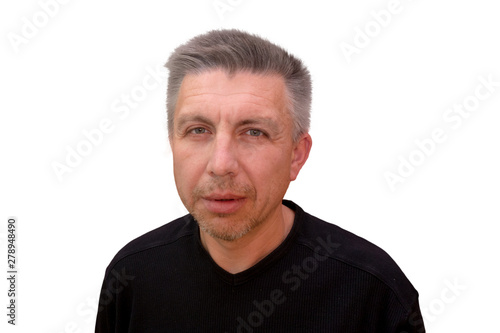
222	196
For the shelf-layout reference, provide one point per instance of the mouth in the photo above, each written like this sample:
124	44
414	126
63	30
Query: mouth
223	203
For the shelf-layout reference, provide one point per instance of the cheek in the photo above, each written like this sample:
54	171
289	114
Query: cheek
270	172
188	168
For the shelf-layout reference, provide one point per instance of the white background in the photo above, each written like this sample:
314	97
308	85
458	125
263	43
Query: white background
440	224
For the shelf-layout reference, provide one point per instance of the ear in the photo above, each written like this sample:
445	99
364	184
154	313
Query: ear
300	154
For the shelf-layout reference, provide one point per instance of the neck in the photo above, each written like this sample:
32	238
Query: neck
243	253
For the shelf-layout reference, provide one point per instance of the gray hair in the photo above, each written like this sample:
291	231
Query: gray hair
234	50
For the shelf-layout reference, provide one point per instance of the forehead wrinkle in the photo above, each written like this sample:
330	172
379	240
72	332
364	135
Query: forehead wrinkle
269	100
201	97
261	105
203	109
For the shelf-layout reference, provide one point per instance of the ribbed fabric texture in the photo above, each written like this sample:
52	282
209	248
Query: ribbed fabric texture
320	279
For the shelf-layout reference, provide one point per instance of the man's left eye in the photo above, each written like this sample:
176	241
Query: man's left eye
254	132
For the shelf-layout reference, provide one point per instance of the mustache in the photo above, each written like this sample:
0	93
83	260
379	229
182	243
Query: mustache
219	184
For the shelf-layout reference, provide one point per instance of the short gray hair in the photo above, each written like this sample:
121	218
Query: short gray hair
235	50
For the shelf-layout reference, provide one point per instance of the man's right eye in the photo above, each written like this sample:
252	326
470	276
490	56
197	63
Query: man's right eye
198	130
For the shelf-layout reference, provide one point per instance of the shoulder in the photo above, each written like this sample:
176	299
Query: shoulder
344	246
167	234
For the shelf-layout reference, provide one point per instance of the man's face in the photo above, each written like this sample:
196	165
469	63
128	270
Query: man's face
233	151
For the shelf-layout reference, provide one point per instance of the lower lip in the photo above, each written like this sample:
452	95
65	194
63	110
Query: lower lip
223	206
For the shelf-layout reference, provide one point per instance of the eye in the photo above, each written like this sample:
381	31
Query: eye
254	132
198	130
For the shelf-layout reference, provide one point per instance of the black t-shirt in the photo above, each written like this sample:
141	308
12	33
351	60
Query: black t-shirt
320	279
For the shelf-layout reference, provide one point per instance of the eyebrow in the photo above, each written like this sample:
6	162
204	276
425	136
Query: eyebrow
260	120
193	118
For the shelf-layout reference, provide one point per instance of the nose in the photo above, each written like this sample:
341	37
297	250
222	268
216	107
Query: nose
223	156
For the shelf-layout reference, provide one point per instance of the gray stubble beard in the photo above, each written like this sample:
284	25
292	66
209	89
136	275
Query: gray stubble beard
229	234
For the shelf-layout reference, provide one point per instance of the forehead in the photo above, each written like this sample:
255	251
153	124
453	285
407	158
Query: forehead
215	89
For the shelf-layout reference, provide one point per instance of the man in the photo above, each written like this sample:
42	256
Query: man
244	259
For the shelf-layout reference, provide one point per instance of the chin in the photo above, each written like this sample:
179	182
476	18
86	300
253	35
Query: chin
226	228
